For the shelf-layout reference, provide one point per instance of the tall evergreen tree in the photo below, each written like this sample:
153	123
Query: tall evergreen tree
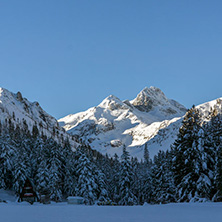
86	182
68	170
126	180
186	157
114	181
42	171
215	146
54	169
162	179
7	160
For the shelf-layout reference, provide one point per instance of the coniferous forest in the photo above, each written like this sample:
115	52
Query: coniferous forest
191	171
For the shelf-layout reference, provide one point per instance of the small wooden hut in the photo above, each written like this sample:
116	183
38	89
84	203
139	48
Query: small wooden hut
28	194
75	200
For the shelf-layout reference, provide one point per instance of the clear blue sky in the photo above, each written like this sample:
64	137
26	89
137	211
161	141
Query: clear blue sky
69	55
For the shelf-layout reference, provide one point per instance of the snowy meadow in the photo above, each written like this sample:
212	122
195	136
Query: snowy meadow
62	212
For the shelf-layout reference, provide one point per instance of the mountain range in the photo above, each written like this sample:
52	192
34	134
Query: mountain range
151	118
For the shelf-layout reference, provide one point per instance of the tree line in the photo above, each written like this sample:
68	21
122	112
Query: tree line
190	171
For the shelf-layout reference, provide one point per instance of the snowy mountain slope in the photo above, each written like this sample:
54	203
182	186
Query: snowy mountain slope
18	110
166	136
150	118
114	123
207	107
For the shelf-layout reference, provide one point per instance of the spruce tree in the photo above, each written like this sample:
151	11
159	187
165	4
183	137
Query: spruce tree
68	170
114	182
126	180
7	160
54	169
186	157
42	169
145	178
102	192
205	166
86	183
162	179
215	143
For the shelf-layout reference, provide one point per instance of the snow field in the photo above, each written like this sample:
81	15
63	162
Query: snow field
62	212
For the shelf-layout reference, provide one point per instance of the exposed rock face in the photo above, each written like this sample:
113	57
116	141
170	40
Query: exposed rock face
19	96
151	97
148	98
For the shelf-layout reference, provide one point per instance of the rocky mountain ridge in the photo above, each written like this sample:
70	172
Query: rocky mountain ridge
20	111
115	123
151	118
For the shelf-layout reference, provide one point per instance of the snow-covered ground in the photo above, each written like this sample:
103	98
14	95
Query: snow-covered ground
204	212
13	211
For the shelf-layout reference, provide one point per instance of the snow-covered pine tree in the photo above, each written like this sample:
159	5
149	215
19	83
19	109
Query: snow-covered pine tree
68	170
114	181
145	178
163	184
205	166
54	169
142	183
7	160
215	143
22	166
105	165
126	180
86	182
186	157
218	175
136	182
19	175
42	171
102	193
146	156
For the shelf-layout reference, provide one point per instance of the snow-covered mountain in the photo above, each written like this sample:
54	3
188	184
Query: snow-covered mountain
150	118
18	110
115	123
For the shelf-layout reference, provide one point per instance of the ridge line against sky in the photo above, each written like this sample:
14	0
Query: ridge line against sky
70	55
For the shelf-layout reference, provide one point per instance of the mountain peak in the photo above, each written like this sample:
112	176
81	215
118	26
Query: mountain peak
112	102
115	123
3	91
153	92
150	98
7	95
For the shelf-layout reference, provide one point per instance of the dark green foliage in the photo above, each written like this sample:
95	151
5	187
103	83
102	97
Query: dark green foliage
7	160
190	171
86	183
126	180
185	151
163	183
